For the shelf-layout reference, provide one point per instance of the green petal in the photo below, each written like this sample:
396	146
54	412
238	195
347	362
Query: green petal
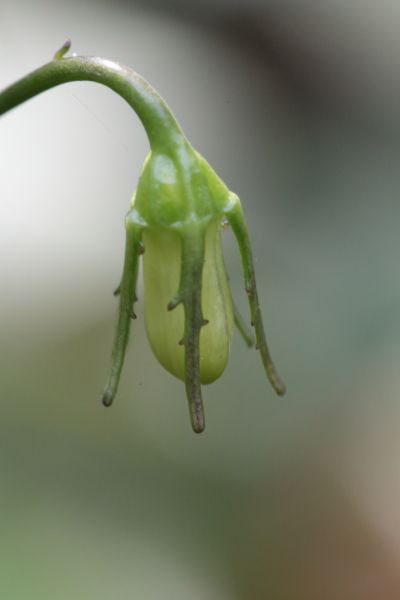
165	328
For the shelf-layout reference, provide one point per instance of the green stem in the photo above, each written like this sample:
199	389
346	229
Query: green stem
162	129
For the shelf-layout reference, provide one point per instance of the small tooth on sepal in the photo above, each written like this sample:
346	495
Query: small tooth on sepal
174	302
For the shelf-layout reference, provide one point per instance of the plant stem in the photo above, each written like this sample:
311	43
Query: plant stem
161	126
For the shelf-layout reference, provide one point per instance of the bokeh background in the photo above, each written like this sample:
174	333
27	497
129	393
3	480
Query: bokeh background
297	107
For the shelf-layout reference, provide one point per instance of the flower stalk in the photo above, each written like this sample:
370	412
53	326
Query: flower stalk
175	220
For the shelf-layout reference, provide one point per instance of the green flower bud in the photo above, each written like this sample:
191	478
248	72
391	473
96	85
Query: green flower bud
176	214
174	199
175	218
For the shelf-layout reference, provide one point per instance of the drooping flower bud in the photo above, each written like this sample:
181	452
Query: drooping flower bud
175	219
175	216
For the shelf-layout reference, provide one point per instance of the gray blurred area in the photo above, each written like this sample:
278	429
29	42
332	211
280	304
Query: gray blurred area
297	107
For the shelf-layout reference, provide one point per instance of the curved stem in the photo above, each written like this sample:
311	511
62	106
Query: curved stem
161	126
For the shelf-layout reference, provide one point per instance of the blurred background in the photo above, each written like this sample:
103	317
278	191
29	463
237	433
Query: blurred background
297	107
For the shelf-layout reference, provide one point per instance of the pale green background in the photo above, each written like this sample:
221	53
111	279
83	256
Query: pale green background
296	105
